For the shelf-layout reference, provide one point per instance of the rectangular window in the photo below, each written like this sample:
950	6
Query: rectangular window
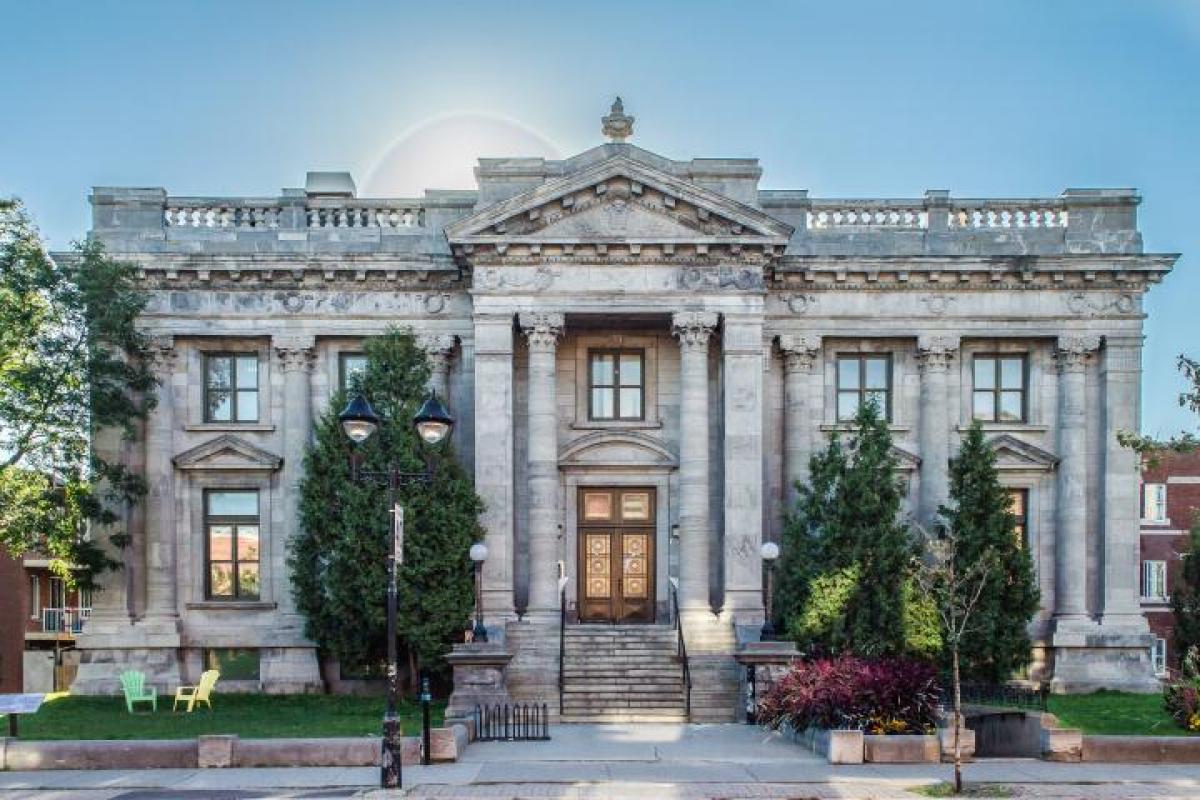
351	367
999	388
35	597
1158	656
1019	508
1154	579
231	388
231	544
616	384
234	664
58	593
1154	502
864	379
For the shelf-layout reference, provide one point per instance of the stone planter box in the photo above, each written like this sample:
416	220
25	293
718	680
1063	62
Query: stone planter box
836	746
1142	749
901	749
966	744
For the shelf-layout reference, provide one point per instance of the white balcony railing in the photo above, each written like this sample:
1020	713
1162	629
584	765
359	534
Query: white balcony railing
64	620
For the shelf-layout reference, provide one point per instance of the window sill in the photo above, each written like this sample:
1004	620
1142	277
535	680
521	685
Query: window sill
1005	427
1157	522
231	605
252	427
849	426
1156	601
617	424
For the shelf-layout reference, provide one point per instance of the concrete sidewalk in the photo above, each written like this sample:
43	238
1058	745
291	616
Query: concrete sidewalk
615	762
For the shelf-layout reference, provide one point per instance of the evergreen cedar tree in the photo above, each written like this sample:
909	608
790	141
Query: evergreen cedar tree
338	557
996	644
846	582
73	372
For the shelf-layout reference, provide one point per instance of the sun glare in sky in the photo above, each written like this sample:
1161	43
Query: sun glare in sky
441	153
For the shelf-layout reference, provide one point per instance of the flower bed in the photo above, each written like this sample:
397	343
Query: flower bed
893	696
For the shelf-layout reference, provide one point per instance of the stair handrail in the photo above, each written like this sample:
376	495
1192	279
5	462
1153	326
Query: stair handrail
562	636
682	650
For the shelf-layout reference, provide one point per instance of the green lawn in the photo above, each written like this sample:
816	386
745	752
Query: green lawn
250	716
1115	712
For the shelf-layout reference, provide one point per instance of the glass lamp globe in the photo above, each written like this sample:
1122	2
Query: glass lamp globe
433	422
358	419
770	551
479	552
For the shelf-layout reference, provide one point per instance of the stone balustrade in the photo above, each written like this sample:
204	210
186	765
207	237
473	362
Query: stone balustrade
867	214
244	214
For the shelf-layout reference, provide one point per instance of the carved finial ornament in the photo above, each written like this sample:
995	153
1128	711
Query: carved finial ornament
1074	351
617	125
694	327
542	330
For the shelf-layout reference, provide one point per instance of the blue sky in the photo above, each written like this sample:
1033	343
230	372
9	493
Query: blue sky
845	99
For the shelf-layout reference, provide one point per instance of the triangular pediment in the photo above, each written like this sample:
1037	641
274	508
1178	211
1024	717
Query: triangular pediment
619	200
906	460
1016	454
228	452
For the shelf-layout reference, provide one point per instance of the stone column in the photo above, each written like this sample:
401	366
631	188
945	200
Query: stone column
1070	555
296	356
161	583
742	374
934	354
694	328
542	332
1120	377
438	348
494	459
800	354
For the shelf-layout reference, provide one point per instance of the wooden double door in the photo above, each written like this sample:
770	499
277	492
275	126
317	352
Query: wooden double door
616	554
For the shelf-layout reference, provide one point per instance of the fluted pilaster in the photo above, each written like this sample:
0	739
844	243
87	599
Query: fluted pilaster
800	355
934	354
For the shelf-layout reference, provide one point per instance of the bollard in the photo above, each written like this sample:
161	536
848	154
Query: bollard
425	698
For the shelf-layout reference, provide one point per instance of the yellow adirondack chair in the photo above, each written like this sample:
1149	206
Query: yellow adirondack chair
199	693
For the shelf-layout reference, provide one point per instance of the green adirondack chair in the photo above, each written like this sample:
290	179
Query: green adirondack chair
133	683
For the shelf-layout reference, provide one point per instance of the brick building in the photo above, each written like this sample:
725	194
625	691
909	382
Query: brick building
12	622
40	617
1170	499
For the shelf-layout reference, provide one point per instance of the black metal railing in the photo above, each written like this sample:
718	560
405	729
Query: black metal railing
519	722
683	654
562	642
991	694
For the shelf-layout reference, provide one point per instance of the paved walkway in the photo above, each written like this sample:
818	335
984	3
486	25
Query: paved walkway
619	762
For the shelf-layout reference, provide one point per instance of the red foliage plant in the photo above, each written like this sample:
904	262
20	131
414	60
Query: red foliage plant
891	695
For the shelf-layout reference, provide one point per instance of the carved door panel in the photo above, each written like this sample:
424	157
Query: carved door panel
616	568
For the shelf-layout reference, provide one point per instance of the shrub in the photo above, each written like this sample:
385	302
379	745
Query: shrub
1181	699
889	696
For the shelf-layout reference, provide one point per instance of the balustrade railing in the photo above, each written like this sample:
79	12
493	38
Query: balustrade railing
830	215
1004	214
64	620
270	214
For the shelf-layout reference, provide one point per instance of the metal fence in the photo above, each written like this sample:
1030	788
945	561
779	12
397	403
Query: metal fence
519	722
991	694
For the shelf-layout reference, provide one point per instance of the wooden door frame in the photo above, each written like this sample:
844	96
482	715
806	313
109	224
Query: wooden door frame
616	550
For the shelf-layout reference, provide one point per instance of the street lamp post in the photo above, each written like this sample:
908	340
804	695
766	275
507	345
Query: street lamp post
479	554
433	424
769	552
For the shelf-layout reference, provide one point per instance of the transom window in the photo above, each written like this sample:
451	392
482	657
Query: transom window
999	388
1154	502
231	544
1019	508
616	384
351	366
864	379
231	387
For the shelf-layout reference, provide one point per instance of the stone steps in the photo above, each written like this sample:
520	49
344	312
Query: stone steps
621	673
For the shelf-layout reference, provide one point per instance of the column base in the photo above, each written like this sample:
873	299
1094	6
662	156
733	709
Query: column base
480	677
100	669
1089	656
290	670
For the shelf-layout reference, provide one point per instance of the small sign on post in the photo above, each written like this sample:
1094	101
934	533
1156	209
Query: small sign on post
14	704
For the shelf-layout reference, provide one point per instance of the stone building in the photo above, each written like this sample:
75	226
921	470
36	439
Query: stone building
642	354
1170	503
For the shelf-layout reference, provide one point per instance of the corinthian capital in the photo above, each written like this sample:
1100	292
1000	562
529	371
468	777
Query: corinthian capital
295	352
800	351
542	330
694	327
935	352
436	344
161	356
1073	352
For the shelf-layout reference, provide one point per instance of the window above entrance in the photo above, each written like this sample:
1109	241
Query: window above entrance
616	385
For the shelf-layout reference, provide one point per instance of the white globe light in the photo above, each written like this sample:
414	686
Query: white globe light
770	551
479	552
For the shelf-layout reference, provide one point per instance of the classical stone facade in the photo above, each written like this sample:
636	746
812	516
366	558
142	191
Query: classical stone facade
642	355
